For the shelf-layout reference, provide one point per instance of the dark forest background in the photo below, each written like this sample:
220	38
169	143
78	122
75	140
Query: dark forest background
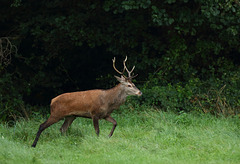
186	52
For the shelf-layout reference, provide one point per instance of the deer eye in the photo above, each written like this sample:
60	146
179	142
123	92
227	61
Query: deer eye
129	86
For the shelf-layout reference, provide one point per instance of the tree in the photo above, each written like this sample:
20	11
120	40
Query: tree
62	42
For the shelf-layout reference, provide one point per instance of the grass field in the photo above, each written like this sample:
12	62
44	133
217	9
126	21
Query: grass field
148	136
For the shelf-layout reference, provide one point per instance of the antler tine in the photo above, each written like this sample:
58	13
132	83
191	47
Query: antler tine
132	69
129	72
121	73
124	64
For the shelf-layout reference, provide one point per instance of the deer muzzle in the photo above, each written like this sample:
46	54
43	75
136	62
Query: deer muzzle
139	93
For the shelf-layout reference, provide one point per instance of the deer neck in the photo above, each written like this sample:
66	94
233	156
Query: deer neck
117	96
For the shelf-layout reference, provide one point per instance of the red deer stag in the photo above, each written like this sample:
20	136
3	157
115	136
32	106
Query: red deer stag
95	104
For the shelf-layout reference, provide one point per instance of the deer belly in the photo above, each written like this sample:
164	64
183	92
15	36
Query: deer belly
81	114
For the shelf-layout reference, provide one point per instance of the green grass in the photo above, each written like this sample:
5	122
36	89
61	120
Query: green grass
141	137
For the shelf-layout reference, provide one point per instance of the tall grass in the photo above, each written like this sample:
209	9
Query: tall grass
148	136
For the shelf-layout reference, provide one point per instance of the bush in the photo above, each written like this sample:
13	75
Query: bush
169	97
219	96
11	103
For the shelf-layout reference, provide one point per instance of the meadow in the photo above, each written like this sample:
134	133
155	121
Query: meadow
142	136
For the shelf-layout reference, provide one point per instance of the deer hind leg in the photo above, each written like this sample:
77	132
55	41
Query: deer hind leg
51	120
68	121
110	119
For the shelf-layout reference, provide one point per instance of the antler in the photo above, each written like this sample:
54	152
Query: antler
125	68
121	73
129	72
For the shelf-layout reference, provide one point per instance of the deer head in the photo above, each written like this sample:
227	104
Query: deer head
126	82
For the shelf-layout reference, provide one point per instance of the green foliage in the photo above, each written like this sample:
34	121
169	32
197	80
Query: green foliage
10	104
171	97
219	96
68	45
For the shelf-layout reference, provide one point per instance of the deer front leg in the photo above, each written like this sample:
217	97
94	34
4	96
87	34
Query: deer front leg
110	119
96	124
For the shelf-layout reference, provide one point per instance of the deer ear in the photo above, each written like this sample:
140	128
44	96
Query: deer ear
120	79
